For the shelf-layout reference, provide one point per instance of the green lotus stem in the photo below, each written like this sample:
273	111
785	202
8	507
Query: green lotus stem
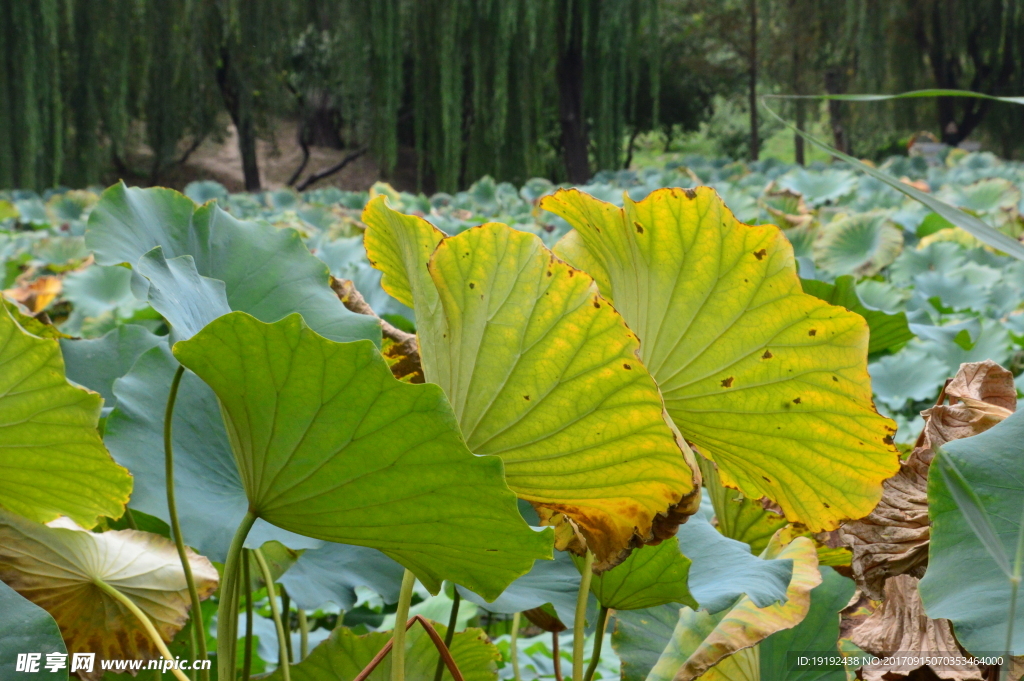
247	648
154	635
227	609
1018	566
303	635
275	612
513	647
130	519
580	625
172	511
398	636
595	656
194	647
453	620
286	620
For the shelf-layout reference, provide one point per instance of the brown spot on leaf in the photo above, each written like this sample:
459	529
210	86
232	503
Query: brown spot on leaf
639	227
812	332
472	285
571	272
760	254
526	397
549	273
834	378
627	367
825	505
690	193
766	479
597	304
887	439
767	355
727	382
796	401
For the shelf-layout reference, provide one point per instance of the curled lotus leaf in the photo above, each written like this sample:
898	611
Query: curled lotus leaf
769	382
58	568
52	460
701	640
543	372
330	445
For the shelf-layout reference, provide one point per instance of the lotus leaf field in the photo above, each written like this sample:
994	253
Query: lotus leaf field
676	423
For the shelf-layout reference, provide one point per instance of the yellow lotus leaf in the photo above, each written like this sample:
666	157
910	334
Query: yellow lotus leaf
769	382
542	372
58	567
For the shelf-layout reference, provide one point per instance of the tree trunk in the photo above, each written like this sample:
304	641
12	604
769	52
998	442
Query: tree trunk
835	84
236	101
569	72
755	143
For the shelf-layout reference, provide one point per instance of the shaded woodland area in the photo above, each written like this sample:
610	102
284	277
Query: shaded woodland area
436	93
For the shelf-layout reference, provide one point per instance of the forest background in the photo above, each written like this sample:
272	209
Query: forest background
430	95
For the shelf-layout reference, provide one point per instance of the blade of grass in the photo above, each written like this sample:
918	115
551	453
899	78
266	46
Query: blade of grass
968	223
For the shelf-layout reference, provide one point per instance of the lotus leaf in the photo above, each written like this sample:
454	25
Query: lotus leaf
331	573
769	382
701	640
267	272
342	656
887	331
59	567
963	583
210	496
26	628
52	461
542	372
860	244
96	363
330	445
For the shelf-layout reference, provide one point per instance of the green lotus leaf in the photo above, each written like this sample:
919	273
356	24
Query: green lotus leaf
542	372
279	558
816	635
52	461
911	374
739	517
702	640
96	363
555	582
861	244
330	445
984	196
640	636
208	489
26	628
58	568
888	331
769	382
649	577
820	187
330	574
964	584
267	272
342	656
186	299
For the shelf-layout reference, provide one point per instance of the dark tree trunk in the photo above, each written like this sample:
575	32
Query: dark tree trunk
755	143
835	84
236	101
569	72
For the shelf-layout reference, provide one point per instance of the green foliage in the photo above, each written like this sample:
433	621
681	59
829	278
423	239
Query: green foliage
26	628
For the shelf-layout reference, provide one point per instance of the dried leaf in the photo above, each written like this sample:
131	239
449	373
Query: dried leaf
893	538
36	294
57	567
901	625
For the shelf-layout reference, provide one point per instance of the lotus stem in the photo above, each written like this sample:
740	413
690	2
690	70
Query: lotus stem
453	620
227	610
129	518
398	637
247	648
172	511
286	621
556	656
595	656
154	635
580	625
275	612
303	635
513	647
